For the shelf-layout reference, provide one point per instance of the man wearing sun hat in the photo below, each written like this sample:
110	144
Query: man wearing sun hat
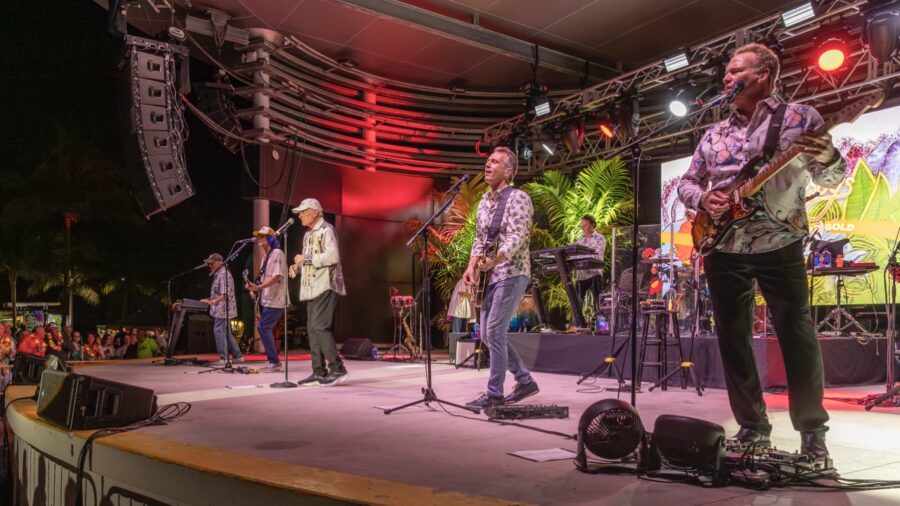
222	308
321	281
271	292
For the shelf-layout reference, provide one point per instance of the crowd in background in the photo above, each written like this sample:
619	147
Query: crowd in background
69	344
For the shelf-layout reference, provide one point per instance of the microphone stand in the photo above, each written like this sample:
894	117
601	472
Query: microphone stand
891	378
429	395
287	304
236	250
636	149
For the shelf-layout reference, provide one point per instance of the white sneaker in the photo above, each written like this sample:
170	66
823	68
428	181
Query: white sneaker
239	360
217	363
272	367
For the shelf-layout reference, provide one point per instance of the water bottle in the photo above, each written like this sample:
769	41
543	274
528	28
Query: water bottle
374	353
826	259
817	260
475	332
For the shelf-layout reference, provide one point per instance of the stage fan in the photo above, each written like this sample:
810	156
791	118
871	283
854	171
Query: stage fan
610	429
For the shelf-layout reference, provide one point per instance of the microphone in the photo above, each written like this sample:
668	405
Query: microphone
726	98
284	227
201	266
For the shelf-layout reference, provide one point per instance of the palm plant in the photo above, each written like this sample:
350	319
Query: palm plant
452	240
603	190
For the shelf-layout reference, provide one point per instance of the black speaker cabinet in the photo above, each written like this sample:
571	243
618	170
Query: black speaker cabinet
77	402
358	348
27	369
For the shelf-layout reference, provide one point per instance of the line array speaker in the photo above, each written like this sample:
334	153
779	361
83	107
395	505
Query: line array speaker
155	117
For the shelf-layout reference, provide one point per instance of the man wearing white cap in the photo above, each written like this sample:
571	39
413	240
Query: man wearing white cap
271	293
222	308
321	281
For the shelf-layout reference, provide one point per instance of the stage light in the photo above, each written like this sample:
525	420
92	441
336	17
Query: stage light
798	15
678	105
607	129
691	443
542	108
610	429
831	54
548	147
673	63
881	32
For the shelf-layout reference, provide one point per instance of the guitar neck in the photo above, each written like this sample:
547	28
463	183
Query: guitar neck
755	183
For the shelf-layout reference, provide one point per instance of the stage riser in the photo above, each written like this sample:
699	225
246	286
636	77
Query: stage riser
45	475
847	361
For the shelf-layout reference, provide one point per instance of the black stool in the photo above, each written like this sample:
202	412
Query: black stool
664	320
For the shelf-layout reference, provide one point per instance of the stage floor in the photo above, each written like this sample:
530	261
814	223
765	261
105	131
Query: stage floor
333	441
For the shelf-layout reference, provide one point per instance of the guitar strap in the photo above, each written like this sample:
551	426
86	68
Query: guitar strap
497	218
774	132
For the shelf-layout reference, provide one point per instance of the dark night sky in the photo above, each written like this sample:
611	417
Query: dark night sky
59	72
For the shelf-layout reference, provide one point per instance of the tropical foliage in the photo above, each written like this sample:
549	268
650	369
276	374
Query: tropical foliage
603	190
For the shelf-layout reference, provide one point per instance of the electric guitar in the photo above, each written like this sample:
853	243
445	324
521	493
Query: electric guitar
253	295
707	232
484	277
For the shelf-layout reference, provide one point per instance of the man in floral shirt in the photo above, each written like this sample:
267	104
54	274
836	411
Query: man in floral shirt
766	247
510	272
590	280
222	309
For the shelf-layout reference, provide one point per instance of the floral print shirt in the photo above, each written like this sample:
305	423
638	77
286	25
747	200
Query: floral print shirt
222	284
596	242
728	145
514	235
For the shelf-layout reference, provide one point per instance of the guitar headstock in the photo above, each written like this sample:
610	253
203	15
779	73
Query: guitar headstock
246	275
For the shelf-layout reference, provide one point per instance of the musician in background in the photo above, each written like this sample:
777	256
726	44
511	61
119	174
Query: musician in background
222	310
271	293
321	282
590	280
765	247
510	271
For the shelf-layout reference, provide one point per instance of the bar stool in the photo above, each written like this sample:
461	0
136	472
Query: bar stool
664	320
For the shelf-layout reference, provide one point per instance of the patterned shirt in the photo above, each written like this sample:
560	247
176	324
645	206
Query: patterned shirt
275	295
729	144
596	242
514	235
321	269
221	282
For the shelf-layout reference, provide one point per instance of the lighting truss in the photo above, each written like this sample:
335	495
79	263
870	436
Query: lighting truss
800	82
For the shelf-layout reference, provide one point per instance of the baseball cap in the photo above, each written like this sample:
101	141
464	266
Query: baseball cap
264	231
308	204
213	257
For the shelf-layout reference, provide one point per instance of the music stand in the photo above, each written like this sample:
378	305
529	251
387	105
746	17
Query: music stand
428	392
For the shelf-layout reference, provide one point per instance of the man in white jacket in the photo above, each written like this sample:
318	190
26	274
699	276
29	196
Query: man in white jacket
321	281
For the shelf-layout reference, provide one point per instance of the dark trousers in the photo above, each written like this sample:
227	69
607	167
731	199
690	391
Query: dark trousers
268	318
592	284
781	276
320	324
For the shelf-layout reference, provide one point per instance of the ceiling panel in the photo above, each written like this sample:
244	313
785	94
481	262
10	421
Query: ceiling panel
393	40
326	20
450	56
270	12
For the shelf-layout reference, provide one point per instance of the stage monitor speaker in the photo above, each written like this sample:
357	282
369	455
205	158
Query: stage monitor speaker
27	369
78	402
358	348
154	151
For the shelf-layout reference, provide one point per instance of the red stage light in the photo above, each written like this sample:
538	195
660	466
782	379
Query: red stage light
832	54
607	129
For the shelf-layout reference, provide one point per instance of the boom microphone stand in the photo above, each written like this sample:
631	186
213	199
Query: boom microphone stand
636	149
429	395
892	390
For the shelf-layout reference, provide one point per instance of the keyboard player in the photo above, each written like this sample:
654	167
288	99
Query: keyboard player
590	280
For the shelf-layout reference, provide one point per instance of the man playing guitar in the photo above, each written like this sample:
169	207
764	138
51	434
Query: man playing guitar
766	246
270	292
504	216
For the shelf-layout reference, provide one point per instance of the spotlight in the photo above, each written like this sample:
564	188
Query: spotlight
691	443
798	15
610	429
678	105
542	108
831	54
573	135
548	147
607	129
673	63
880	33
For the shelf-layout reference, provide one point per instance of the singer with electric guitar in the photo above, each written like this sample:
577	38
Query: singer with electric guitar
270	292
757	234
504	216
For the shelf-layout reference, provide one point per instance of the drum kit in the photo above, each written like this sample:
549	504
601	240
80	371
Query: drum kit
682	289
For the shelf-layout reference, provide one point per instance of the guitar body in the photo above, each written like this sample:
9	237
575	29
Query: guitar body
707	232
484	277
253	295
